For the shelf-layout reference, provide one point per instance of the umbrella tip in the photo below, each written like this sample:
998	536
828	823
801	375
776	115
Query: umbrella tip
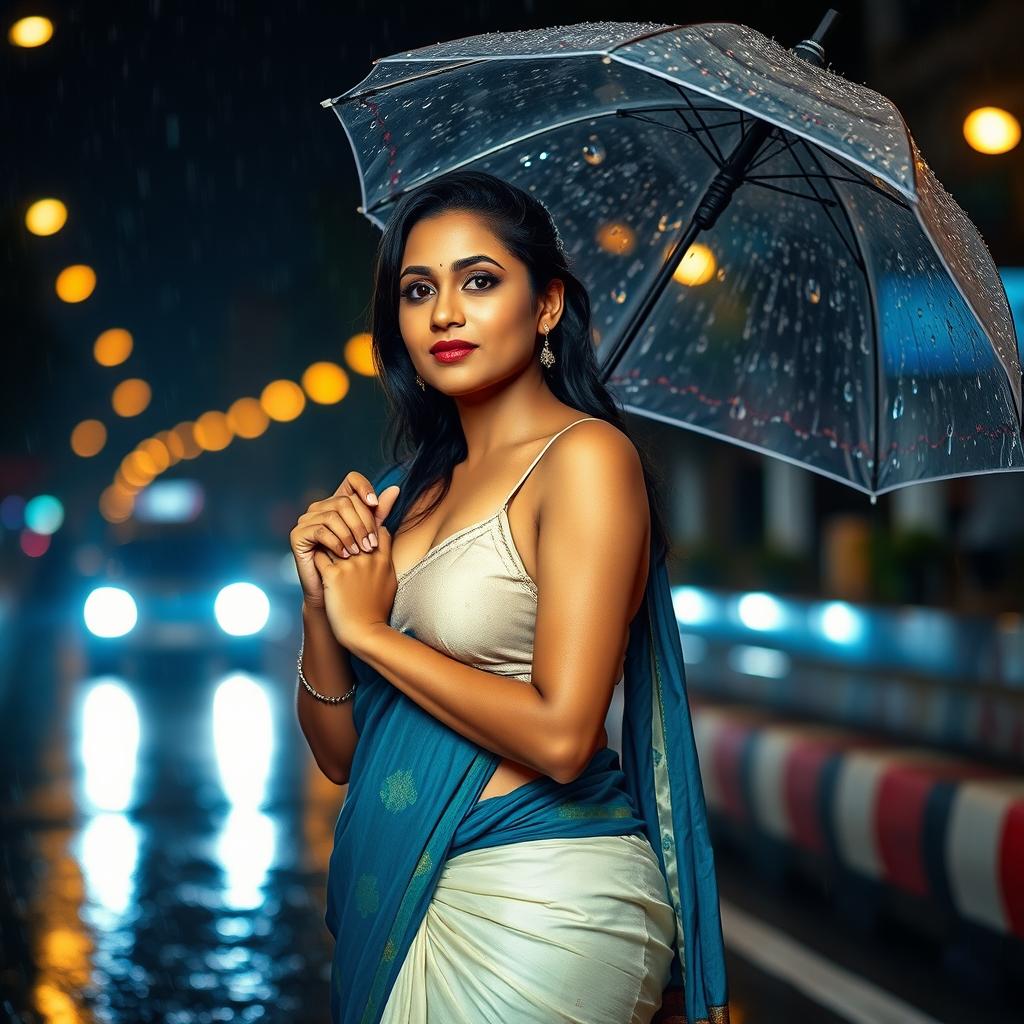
359	209
326	103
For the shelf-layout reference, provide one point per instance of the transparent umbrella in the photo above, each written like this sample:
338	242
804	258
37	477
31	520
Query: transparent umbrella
770	259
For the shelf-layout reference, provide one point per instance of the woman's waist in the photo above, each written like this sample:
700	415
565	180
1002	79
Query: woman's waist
596	803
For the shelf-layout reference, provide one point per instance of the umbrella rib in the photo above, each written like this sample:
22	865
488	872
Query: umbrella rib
787	142
789	192
837	201
689	131
861	262
711	138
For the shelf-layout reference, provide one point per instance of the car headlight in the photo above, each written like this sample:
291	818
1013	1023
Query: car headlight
110	612
241	609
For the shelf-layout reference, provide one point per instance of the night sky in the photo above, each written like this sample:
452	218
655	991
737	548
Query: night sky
216	201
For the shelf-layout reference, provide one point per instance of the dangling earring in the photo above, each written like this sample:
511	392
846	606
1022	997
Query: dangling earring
421	382
547	357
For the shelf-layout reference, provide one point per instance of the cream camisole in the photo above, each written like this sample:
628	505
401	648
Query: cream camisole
470	595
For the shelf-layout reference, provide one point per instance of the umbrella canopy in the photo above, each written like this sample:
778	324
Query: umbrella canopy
824	300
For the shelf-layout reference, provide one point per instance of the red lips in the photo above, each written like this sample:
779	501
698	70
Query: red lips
451	343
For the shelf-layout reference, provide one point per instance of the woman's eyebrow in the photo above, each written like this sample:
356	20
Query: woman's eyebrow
457	265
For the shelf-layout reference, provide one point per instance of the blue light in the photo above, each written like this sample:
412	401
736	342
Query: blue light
109	746
840	622
243	738
760	611
691	605
44	514
110	612
170	501
241	609
759	661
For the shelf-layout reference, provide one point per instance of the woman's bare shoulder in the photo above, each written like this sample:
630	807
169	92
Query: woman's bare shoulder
595	461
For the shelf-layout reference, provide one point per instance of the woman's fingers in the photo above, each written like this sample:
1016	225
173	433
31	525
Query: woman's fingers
357	484
352	520
327	529
359	516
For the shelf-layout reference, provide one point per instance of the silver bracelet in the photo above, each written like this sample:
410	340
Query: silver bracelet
315	693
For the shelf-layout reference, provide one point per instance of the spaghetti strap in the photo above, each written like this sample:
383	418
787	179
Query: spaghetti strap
529	469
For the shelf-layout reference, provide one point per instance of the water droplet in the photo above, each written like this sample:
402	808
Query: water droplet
848	391
618	295
593	152
897	407
812	290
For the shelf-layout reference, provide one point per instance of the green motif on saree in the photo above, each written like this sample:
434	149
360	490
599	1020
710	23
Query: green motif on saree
424	865
398	791
367	897
572	809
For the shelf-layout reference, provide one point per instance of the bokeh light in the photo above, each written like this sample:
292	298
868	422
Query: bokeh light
696	267
33	544
113	347
12	511
131	397
359	354
241	609
110	612
325	383
46	217
991	130
30	32
157	452
283	400
173	443
44	514
110	736
616	237
212	431
88	438
116	504
247	418
185	432
76	283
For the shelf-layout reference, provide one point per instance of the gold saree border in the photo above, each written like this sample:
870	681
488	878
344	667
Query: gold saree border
663	793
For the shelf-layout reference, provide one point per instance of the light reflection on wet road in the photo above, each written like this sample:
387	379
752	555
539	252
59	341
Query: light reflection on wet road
165	842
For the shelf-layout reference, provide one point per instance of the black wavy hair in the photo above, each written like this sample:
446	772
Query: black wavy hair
427	438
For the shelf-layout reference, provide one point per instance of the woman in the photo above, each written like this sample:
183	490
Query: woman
493	861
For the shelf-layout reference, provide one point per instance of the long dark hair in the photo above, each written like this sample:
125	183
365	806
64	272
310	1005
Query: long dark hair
427	437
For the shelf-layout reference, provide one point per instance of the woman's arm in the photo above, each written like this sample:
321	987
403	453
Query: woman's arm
328	728
594	520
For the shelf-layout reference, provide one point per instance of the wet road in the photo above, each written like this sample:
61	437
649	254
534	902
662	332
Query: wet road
165	836
165	840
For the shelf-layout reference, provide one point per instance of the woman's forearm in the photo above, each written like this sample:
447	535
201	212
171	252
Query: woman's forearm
507	716
328	728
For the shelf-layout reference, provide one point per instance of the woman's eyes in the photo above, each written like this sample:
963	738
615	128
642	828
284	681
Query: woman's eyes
408	292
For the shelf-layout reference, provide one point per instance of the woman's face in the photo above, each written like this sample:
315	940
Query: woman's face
486	302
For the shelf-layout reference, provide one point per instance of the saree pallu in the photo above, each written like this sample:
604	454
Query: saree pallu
412	805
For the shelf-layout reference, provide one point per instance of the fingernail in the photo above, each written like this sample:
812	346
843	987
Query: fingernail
344	554
373	539
366	545
370	496
354	549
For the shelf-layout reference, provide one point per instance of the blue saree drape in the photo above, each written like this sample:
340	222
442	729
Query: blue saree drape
411	804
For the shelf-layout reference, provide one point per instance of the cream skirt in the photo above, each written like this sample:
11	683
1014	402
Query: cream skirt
541	932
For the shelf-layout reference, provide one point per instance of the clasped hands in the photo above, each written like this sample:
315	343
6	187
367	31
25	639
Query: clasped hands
355	590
